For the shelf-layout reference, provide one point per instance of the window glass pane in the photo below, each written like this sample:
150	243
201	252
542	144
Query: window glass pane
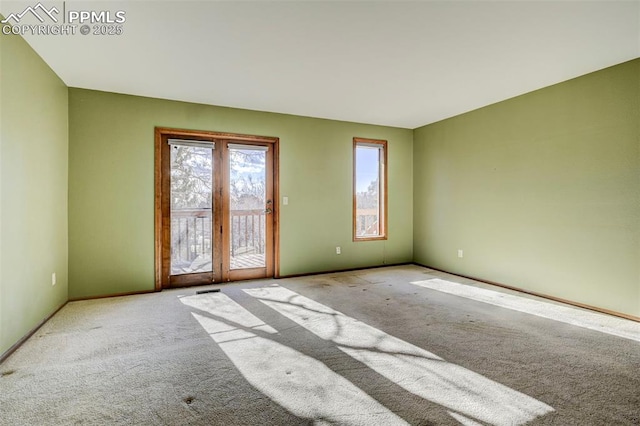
248	193
367	187
191	203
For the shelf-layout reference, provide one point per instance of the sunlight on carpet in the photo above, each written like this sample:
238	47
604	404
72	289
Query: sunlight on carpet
414	369
301	384
574	316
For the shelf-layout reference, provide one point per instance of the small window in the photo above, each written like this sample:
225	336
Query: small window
369	189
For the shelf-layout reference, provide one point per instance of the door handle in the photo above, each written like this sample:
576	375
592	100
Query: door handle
268	211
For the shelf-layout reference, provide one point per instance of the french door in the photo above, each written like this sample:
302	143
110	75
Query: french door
215	207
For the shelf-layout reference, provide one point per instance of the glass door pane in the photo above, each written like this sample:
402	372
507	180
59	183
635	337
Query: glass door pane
248	202
191	209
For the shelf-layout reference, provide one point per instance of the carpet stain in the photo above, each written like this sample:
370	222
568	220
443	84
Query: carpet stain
189	400
7	373
321	282
426	423
349	279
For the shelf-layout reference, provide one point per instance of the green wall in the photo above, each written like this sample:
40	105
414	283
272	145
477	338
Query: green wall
111	189
542	191
33	190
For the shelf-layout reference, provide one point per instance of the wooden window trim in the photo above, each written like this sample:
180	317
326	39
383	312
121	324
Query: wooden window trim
383	188
161	265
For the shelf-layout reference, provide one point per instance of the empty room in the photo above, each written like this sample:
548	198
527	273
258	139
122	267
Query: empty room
320	212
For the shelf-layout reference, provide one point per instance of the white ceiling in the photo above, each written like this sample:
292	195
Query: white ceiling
393	63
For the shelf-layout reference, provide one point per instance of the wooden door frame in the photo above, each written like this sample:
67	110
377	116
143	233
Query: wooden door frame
162	186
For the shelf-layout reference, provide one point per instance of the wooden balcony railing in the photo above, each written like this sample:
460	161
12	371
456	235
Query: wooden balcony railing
367	224
247	232
190	240
191	236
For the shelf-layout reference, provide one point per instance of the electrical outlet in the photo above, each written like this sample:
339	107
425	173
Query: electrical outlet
285	201
338	250
460	253
53	279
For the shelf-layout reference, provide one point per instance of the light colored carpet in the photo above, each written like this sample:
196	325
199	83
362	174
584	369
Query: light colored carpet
361	348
